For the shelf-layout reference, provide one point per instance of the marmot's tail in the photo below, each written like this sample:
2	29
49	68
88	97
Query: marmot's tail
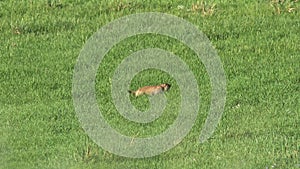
131	92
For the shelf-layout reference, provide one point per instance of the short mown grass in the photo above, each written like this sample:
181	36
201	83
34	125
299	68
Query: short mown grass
258	43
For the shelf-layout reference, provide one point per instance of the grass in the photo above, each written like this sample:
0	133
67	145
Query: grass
258	44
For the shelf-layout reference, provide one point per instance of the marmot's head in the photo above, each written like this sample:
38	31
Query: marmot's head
165	86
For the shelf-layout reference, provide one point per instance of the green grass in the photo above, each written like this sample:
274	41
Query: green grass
258	44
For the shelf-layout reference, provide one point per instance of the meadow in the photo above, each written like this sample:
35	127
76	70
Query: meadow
257	42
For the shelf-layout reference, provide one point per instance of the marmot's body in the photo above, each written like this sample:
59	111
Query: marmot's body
151	90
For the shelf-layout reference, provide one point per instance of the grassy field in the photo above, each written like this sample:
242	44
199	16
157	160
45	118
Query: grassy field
258	43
